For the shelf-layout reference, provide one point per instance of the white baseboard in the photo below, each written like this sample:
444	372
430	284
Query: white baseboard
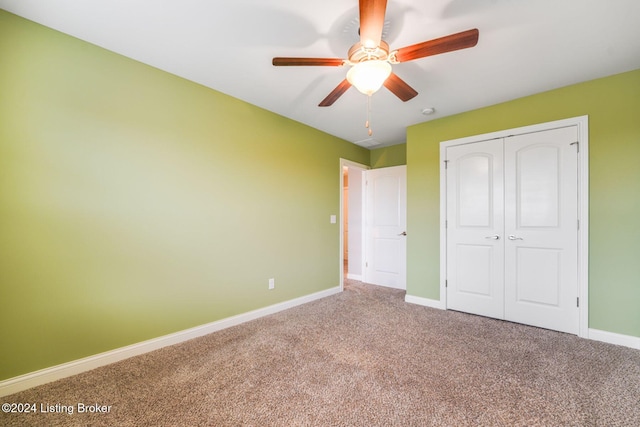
43	376
357	277
424	301
613	338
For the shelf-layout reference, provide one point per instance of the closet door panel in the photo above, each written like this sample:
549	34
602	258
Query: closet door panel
475	253
541	229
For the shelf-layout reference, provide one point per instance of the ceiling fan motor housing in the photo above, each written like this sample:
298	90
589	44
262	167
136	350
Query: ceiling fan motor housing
359	53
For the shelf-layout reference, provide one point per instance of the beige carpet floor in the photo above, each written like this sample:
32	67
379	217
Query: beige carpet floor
363	357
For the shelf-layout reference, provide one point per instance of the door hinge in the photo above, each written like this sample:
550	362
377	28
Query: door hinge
578	224
446	283
446	164
578	302
446	223
577	144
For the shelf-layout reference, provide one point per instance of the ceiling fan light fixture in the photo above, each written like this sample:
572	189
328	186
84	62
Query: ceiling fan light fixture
368	76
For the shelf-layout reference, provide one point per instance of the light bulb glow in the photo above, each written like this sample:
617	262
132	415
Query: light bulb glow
369	76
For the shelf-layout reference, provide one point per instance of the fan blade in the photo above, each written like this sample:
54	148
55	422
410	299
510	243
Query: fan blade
444	44
399	87
371	22
335	94
331	62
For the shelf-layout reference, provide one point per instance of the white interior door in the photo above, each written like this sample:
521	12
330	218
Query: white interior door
541	227
475	223
385	227
512	228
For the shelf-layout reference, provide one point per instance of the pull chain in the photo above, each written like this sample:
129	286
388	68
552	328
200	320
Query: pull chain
367	124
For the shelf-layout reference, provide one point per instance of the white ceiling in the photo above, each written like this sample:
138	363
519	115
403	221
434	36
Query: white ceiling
525	47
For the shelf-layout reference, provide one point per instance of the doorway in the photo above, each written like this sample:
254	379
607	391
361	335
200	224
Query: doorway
351	220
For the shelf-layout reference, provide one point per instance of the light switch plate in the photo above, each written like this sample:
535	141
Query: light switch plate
332	218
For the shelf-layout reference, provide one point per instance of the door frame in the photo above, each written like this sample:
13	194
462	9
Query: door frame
349	164
582	123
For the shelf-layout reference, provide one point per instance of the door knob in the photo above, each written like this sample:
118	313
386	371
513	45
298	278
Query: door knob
404	233
494	237
512	237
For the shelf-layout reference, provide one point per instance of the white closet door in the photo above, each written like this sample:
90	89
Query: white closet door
541	229
512	228
475	223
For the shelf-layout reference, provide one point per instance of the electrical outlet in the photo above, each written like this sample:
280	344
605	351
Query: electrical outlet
272	283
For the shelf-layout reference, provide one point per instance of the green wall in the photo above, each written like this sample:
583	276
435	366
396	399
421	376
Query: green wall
394	155
613	107
135	204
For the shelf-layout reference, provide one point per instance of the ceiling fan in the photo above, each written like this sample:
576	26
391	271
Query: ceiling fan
371	58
